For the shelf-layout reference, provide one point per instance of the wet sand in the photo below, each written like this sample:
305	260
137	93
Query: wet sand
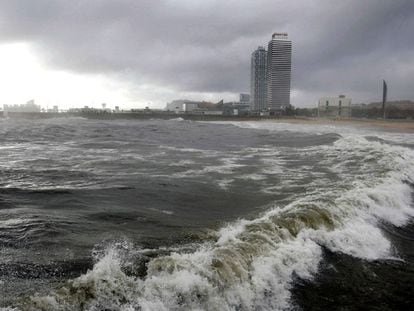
406	126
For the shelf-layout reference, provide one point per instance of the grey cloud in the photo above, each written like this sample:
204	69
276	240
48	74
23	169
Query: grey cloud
205	46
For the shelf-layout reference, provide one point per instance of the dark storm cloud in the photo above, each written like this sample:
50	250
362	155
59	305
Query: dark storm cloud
205	46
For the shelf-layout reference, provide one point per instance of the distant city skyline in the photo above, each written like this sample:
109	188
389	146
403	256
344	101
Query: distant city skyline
147	53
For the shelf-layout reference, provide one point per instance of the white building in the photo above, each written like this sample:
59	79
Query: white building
336	107
177	106
279	63
181	106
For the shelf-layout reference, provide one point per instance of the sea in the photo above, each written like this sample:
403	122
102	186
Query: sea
184	215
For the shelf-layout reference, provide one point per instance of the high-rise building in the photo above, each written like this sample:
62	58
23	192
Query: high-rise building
279	55
258	79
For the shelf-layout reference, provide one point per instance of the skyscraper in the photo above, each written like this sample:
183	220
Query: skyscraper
279	55
384	97
258	80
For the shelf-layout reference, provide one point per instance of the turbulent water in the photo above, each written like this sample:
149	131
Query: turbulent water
181	215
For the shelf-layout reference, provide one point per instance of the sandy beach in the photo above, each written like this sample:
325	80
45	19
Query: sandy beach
406	126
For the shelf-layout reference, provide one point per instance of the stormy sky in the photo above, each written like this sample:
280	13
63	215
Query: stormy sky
154	51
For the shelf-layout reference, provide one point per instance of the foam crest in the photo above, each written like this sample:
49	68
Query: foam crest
356	238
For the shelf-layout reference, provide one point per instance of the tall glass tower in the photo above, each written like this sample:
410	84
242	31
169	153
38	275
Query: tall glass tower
258	79
279	56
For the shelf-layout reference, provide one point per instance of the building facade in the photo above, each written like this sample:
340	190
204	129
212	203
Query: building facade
279	59
334	107
244	98
258	79
184	106
181	106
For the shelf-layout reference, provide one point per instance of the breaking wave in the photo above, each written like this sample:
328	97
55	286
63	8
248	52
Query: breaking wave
252	264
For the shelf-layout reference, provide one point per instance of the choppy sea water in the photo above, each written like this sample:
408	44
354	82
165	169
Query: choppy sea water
181	215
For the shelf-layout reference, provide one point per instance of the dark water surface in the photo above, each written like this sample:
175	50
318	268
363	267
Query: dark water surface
181	215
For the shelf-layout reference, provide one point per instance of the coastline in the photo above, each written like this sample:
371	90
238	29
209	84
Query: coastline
406	126
394	125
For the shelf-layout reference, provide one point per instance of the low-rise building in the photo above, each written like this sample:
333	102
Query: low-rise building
55	109
244	98
29	107
334	107
182	106
193	107
177	106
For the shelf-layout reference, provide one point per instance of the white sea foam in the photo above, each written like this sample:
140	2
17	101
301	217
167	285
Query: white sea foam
255	177
204	152
182	163
179	119
224	166
225	183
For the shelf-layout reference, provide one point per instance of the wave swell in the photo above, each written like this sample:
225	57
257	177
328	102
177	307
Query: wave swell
252	264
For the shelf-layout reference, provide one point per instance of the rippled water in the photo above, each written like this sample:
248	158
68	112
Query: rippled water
180	215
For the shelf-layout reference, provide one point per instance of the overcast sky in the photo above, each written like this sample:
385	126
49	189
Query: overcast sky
135	52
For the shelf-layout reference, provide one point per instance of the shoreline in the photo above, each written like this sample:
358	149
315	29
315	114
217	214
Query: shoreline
394	125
